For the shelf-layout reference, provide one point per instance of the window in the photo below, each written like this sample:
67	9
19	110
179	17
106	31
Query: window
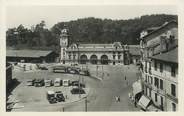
148	80
151	79
173	71
146	91
173	90
156	82
161	67
156	97
146	67
69	57
162	101
119	56
173	107
145	78
114	56
74	57
155	65
161	84
149	92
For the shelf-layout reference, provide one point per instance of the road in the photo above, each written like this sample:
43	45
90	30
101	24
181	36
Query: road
102	93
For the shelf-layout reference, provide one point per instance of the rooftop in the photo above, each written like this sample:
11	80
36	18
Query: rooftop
161	27
27	53
170	56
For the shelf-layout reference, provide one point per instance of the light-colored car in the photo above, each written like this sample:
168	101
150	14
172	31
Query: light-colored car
57	82
48	82
66	82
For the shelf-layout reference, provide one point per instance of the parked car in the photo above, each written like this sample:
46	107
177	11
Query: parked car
73	70
84	72
30	82
39	83
43	68
59	69
57	82
76	83
66	82
48	82
59	96
77	90
51	97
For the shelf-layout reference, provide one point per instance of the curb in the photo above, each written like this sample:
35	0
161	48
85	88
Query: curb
96	78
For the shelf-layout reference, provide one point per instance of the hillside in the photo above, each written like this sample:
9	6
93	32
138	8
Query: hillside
86	30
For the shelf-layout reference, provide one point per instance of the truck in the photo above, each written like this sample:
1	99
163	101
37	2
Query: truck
54	97
51	97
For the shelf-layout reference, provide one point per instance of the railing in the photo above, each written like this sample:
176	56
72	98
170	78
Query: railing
172	97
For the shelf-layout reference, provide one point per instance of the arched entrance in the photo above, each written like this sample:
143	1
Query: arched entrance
83	59
93	59
104	59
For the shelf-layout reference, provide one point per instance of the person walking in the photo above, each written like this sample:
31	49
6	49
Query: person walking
118	98
125	77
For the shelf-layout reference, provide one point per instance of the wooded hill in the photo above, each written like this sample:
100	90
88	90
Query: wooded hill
86	30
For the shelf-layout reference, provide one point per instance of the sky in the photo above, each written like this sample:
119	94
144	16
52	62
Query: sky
32	15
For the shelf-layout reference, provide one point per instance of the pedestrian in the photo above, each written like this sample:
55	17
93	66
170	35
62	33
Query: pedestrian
125	77
116	97
119	98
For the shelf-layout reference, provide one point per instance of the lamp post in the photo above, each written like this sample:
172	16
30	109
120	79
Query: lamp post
77	51
86	105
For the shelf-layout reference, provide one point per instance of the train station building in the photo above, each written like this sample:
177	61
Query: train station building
105	54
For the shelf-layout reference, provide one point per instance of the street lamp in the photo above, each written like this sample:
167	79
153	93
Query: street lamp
78	50
86	106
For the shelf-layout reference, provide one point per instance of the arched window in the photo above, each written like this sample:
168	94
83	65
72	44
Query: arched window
104	59
83	59
93	59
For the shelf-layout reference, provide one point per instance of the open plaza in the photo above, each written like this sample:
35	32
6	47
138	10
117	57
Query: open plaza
101	87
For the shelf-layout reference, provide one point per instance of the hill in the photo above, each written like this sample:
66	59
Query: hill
86	30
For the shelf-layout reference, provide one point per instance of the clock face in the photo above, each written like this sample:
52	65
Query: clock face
63	43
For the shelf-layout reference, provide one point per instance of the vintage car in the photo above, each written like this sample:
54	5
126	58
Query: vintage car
59	96
48	82
76	83
57	82
30	82
39	82
51	97
77	90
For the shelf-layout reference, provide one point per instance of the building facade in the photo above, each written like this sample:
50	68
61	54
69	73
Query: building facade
76	53
160	66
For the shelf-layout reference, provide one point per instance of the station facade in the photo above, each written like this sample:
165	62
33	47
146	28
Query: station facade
105	54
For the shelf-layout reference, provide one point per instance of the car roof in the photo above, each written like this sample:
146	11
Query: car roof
50	92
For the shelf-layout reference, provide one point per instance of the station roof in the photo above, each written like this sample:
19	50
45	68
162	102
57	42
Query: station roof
27	53
96	45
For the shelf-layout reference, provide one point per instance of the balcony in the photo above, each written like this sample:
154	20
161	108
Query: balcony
173	98
147	85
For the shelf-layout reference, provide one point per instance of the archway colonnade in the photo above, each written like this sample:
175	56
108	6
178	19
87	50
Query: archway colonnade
94	59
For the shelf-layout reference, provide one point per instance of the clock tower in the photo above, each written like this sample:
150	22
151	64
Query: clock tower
63	44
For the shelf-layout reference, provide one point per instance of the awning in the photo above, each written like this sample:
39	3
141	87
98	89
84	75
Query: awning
144	102
153	108
137	88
